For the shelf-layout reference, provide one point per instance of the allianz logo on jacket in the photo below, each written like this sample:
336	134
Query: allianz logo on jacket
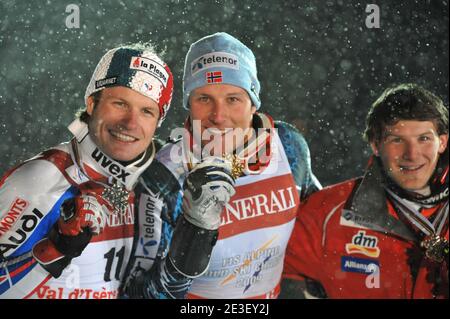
363	244
109	165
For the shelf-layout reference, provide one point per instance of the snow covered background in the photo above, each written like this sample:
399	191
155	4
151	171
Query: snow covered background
319	65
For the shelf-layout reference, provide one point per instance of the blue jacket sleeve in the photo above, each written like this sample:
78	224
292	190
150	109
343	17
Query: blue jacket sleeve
161	280
297	152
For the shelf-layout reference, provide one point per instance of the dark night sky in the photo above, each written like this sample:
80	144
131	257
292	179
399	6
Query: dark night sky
319	65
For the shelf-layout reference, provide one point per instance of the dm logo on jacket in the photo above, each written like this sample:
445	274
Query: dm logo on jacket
363	244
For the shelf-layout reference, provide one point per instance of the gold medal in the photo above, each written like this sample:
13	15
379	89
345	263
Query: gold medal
436	248
237	167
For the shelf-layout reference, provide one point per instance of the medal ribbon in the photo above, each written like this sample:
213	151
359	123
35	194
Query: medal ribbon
249	160
433	231
115	191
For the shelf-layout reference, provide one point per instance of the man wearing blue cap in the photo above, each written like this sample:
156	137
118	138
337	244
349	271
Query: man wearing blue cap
67	214
240	178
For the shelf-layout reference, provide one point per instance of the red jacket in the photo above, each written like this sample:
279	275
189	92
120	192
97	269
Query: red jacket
369	253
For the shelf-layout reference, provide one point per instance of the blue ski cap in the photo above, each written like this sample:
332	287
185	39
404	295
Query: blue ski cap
220	59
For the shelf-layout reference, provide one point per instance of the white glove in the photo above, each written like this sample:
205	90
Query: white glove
206	191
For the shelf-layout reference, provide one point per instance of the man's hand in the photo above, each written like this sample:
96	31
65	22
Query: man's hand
206	191
87	212
80	218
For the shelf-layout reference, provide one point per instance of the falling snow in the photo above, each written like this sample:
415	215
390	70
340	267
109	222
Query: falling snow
319	65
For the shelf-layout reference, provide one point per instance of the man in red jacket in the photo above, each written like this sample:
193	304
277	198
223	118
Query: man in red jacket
383	235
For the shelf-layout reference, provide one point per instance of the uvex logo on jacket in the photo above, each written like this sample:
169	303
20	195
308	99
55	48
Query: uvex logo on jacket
109	165
363	244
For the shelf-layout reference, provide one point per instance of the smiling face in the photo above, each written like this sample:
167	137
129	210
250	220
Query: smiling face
123	122
221	107
410	151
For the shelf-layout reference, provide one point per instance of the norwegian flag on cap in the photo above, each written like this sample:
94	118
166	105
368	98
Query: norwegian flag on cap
214	77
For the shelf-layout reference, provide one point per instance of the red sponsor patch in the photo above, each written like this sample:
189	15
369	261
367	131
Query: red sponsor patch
118	226
268	203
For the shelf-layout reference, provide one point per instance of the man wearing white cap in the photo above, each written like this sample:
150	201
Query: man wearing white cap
241	179
67	214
